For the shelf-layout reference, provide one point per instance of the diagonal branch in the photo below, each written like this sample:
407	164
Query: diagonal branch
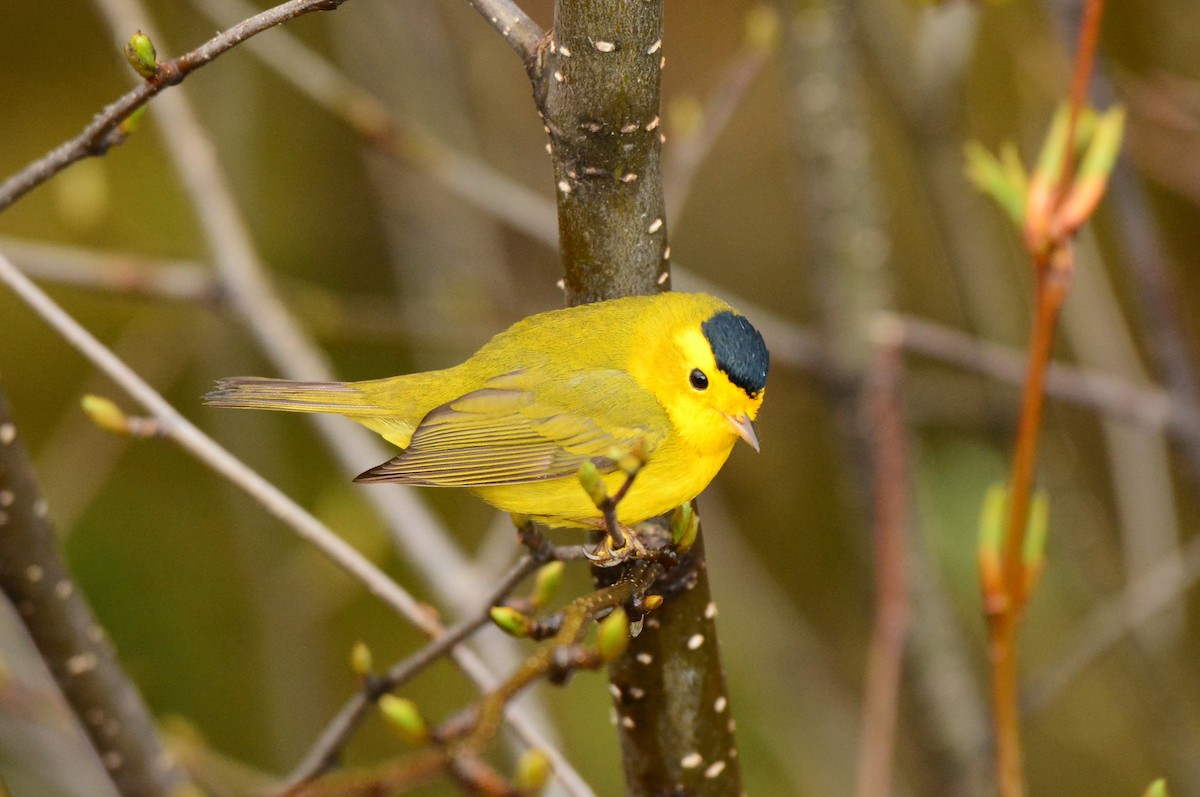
521	32
35	578
102	133
308	527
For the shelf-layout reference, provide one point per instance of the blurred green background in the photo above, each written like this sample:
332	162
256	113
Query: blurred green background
857	115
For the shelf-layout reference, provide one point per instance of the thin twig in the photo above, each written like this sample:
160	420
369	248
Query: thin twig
273	500
880	712
329	314
97	137
329	744
466	176
521	32
253	297
1048	235
213	455
1085	58
1149	407
683	163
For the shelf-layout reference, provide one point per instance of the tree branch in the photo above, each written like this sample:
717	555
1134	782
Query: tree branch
102	133
521	32
308	527
597	86
889	632
35	578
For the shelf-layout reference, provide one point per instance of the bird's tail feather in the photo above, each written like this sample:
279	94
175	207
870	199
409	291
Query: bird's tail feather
280	394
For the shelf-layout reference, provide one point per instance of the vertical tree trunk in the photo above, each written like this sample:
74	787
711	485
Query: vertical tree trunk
597	83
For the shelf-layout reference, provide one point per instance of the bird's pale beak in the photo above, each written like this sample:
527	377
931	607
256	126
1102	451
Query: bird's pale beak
744	428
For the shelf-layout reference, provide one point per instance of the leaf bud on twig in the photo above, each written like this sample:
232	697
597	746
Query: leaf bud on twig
141	55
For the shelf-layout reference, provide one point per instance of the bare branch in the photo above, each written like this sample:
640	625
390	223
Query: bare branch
521	32
329	744
259	306
272	499
321	81
1150	407
35	578
889	631
101	134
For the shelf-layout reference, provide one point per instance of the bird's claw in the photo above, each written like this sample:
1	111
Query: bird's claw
607	554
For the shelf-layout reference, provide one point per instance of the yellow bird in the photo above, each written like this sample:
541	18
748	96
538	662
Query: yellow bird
678	376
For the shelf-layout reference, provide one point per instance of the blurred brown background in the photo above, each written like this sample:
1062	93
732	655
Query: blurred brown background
860	111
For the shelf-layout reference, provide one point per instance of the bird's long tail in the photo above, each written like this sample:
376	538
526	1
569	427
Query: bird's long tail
252	392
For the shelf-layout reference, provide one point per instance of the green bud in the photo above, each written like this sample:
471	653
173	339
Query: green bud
105	414
589	477
533	771
186	790
549	579
131	123
1157	789
362	663
405	719
613	636
631	463
141	55
762	28
991	540
511	621
685	525
1035	534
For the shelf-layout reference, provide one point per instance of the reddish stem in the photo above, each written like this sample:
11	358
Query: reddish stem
1053	262
1005	611
886	655
1089	37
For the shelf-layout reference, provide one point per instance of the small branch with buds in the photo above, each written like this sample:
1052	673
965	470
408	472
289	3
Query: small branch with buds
1049	207
117	120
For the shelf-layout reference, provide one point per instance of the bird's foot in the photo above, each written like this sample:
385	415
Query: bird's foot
610	551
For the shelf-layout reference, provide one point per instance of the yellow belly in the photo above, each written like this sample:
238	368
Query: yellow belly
671	477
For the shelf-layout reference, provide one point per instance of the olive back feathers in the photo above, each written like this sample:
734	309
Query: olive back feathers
677	376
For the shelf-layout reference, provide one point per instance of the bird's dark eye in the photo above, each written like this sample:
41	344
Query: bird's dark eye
698	379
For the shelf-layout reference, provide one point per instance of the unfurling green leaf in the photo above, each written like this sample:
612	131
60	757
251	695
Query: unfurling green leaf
1095	168
991	540
998	179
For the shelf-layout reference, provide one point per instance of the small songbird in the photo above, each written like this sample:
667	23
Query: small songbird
676	377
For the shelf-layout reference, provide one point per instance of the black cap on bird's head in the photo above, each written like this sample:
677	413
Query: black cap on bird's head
739	350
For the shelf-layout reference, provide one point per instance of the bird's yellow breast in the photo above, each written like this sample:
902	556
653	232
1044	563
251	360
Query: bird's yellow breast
672	476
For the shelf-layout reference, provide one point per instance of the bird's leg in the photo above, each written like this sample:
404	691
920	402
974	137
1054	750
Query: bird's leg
617	545
615	530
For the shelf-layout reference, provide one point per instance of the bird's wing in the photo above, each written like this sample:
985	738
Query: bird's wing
520	429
